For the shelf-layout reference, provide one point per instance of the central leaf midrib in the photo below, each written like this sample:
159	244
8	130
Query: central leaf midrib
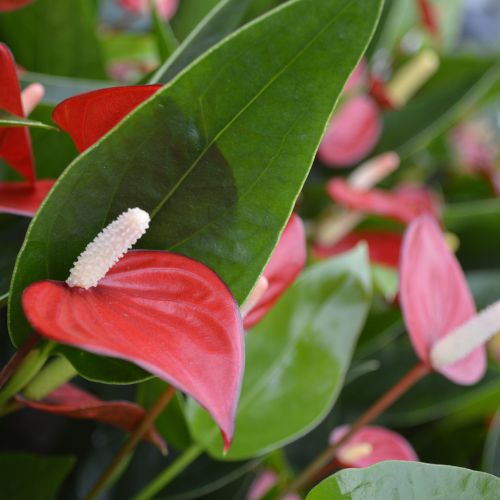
268	84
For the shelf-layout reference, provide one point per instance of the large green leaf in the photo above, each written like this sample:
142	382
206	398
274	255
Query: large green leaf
393	480
56	37
26	477
297	358
217	157
458	82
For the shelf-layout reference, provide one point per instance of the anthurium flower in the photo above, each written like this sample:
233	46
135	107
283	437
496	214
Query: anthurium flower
8	5
286	262
370	445
353	132
383	246
428	17
87	117
404	204
164	312
23	198
263	484
166	8
72	402
436	301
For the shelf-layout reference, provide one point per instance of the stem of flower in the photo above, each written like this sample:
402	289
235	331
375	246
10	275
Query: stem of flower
17	358
170	473
132	442
384	402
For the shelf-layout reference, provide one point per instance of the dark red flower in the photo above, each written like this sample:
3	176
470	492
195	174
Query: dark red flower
23	198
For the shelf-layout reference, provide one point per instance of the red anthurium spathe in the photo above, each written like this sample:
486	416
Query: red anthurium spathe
384	247
72	402
353	132
435	299
287	261
87	117
166	8
428	16
164	312
404	204
370	445
8	5
23	198
15	142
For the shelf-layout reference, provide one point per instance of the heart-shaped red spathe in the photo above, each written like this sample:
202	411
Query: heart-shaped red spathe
87	117
287	261
8	5
15	142
23	198
72	402
166	313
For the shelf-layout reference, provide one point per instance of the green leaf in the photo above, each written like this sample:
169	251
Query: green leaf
56	37
220	154
297	358
459	82
405	480
9	120
165	38
491	454
26	477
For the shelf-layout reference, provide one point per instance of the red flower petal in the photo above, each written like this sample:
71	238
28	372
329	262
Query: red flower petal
164	312
370	445
287	261
15	142
435	298
23	198
429	17
379	93
73	402
352	133
8	5
383	247
87	117
404	204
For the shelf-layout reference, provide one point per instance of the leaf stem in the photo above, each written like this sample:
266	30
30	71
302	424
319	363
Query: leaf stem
17	358
384	402
170	473
132	441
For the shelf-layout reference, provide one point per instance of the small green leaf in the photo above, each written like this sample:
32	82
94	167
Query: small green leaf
393	480
26	477
9	120
297	358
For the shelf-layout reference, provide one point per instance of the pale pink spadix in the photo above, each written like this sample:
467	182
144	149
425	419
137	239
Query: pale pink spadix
102	253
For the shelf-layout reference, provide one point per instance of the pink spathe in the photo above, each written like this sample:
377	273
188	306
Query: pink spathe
166	8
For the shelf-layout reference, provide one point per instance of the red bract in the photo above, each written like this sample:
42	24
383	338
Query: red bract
429	17
383	247
404	204
87	117
435	298
15	142
23	198
352	133
73	402
164	312
8	5
287	261
370	445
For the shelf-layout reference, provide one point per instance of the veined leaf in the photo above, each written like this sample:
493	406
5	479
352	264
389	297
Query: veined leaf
217	157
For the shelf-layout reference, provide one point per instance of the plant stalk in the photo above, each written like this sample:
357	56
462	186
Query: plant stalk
17	358
132	441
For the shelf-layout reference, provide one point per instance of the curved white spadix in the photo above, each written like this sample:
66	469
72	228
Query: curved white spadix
107	248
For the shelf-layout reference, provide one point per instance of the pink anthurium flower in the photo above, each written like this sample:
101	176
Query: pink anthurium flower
8	5
87	117
164	312
353	132
370	445
166	8
436	300
404	204
383	246
286	262
72	402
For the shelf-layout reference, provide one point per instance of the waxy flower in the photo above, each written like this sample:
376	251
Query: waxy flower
164	312
438	307
166	8
370	445
20	198
72	402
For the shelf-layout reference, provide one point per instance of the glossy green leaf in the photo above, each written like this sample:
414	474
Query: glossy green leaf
393	480
220	154
10	120
56	37
26	477
458	82
297	358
